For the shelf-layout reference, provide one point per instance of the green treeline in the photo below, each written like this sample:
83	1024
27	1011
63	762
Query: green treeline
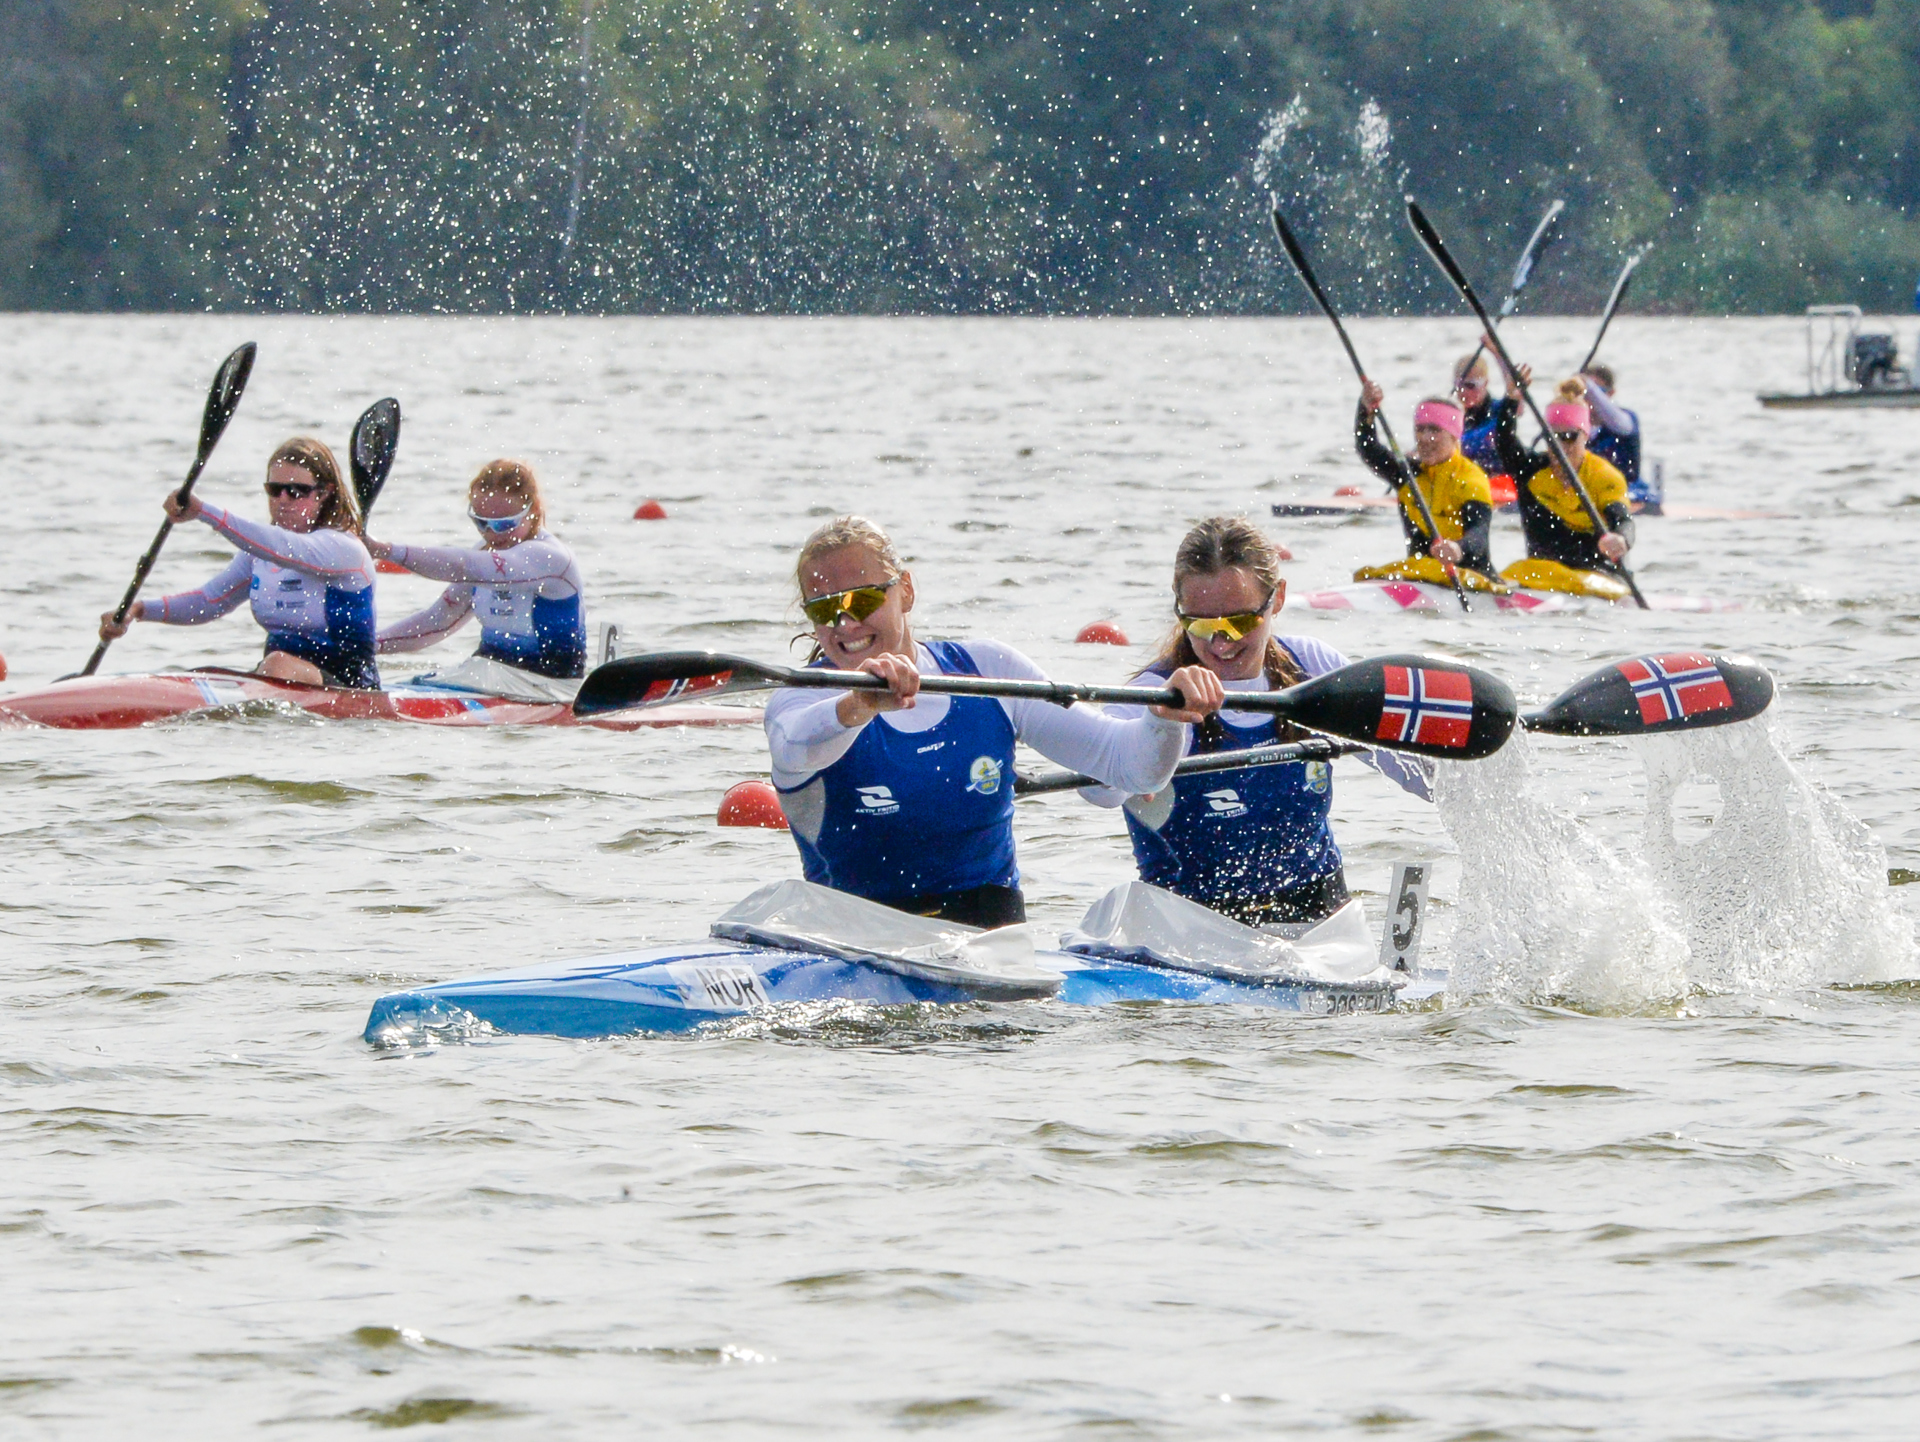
946	155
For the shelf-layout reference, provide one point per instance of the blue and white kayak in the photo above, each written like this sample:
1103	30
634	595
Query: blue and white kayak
795	943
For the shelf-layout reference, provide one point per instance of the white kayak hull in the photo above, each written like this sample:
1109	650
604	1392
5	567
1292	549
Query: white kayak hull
1424	597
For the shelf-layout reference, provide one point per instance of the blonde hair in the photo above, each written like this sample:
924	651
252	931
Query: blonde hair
516	480
1470	365
837	535
1226	543
1572	389
341	509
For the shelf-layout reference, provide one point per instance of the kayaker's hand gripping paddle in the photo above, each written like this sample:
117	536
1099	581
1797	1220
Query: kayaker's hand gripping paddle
1419	704
222	400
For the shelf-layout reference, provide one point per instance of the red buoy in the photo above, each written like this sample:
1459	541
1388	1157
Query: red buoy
1346	490
752	803
3	668
390	568
650	511
1504	491
1101	633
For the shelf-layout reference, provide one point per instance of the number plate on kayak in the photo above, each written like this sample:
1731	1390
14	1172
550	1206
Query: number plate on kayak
718	986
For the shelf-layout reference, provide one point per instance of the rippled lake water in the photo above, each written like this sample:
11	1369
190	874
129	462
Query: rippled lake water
1533	1208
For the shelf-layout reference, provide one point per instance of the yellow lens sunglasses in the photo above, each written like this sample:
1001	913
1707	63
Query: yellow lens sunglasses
859	602
1236	626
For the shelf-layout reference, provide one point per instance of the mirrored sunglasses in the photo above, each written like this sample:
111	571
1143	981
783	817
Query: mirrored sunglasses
860	602
499	525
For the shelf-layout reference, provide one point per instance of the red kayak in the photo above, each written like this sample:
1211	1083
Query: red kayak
113	702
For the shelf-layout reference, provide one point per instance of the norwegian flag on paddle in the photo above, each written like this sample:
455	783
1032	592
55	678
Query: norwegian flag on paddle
1679	691
1426	705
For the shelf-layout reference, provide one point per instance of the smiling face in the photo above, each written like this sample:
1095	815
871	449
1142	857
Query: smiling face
848	641
1231	592
290	510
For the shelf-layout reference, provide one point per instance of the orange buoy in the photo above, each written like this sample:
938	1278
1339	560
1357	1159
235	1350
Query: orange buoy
1346	490
650	511
1101	633
1282	552
752	803
1503	490
3	668
390	568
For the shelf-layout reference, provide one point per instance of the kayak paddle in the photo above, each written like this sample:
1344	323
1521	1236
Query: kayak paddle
1305	270
1421	704
1316	748
222	400
1544	235
1437	248
1649	694
1613	303
376	436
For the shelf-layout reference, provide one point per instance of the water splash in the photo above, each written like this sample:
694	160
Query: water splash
1783	888
1548	911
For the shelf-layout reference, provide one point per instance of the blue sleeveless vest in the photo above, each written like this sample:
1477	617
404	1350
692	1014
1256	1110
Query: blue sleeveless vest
920	813
1240	836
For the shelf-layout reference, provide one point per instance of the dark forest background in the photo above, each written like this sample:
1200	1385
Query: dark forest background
971	155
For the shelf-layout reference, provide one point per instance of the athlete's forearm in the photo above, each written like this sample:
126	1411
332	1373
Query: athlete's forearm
447	613
218	597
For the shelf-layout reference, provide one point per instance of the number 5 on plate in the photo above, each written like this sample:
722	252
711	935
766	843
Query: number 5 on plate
1406	916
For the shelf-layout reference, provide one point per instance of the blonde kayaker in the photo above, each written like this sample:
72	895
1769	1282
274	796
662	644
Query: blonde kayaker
1565	552
522	582
907	799
1456	491
1254	844
308	574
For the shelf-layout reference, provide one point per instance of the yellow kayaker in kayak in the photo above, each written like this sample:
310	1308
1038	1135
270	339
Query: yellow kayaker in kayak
1456	491
1564	551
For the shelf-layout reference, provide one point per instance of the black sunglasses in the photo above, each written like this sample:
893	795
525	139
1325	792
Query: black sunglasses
298	490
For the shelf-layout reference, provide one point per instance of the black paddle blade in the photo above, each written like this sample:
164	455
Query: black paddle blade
1298	255
1544	235
1421	704
662	677
1436	247
223	398
376	436
1680	692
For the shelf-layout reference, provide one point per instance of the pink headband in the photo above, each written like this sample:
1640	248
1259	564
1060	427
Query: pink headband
1439	413
1569	416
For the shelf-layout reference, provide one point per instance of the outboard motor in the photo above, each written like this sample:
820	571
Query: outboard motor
1872	361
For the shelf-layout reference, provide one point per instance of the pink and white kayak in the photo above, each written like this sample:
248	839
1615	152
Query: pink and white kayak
1423	596
116	702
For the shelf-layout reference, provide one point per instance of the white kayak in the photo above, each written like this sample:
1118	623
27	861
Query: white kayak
792	942
1424	596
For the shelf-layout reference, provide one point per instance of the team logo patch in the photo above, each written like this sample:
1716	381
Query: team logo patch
877	801
984	775
1225	802
1319	777
1672	688
1426	707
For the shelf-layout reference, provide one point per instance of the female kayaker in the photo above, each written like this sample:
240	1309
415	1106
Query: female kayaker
1564	551
524	584
907	799
309	573
1616	431
1456	491
1254	844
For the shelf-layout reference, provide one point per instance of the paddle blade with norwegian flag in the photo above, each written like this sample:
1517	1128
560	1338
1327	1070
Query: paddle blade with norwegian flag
663	677
1421	704
1683	691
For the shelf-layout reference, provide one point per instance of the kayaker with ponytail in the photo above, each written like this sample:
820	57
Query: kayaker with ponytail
1456	491
309	574
907	799
1564	551
1253	844
522	582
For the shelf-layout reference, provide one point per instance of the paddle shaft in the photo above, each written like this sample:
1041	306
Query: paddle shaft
1316	749
146	564
1060	693
1613	303
1438	248
1544	235
1304	268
